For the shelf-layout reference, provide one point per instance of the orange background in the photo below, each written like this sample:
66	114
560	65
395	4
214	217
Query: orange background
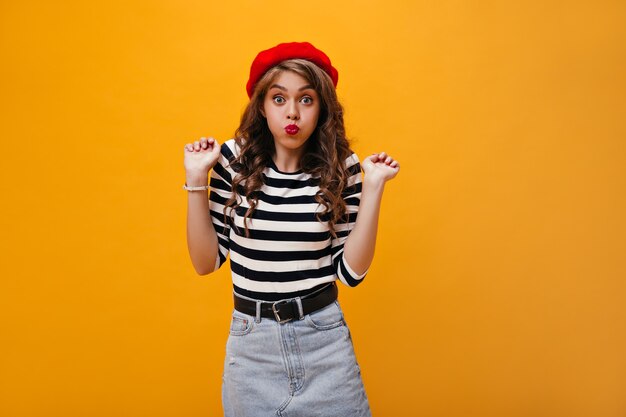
498	286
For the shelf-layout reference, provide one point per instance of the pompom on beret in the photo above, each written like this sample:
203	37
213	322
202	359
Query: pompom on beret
270	57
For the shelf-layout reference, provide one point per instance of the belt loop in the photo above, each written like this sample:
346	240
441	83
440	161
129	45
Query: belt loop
258	311
300	311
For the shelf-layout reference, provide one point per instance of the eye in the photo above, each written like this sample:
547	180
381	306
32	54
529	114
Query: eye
307	100
278	99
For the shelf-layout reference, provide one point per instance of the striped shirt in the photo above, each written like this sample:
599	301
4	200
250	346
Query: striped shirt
288	253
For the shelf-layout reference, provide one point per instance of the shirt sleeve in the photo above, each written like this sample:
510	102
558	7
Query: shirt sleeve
220	192
352	198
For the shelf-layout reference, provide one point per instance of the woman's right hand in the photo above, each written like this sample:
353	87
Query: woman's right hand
201	156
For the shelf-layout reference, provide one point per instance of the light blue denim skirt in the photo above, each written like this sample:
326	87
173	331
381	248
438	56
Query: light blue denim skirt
301	368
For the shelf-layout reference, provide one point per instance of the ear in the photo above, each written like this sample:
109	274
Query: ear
262	111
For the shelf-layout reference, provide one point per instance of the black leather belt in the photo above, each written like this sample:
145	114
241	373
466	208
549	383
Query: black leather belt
285	310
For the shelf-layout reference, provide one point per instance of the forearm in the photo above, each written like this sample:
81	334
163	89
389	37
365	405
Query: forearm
361	242
201	236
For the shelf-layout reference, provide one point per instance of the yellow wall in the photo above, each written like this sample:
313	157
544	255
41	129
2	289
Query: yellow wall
499	281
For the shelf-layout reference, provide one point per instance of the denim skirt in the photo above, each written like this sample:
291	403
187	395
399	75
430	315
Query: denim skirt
301	368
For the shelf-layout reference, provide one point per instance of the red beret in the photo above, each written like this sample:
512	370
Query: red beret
281	52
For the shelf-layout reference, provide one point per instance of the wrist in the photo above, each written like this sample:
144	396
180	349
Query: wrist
196	179
373	183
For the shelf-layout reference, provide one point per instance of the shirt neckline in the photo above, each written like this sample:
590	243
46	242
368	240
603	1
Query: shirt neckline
275	168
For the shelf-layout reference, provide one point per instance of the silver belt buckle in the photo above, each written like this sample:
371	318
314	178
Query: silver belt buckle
276	312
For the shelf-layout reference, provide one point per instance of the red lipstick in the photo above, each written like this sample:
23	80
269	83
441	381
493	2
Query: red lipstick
291	129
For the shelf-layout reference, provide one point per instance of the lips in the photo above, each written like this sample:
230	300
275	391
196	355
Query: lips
291	129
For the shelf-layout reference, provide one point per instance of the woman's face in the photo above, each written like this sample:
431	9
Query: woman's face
291	107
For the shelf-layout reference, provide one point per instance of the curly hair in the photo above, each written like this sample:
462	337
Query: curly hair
324	157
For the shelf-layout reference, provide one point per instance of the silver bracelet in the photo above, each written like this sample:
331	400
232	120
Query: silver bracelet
198	188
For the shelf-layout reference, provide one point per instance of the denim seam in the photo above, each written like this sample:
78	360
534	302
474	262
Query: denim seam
284	351
316	326
284	405
326	327
245	330
287	365
300	364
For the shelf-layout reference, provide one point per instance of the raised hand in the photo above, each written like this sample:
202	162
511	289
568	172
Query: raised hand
201	156
380	167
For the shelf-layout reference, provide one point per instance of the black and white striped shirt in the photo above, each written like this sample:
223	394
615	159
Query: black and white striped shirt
289	253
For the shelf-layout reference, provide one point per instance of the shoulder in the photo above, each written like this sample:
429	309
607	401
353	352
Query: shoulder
225	166
353	164
230	150
352	159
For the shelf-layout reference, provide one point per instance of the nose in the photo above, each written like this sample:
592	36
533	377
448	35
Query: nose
292	111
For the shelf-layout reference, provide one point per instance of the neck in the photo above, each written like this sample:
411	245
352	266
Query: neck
287	160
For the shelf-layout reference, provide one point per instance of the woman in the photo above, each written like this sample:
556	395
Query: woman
285	194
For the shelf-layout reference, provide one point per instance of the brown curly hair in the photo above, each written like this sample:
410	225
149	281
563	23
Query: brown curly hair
325	154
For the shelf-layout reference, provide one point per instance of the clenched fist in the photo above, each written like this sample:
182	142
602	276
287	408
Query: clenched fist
200	157
380	167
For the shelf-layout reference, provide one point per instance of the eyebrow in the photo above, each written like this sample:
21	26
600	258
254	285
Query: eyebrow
280	87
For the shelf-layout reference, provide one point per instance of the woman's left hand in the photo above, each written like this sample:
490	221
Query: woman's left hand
380	167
